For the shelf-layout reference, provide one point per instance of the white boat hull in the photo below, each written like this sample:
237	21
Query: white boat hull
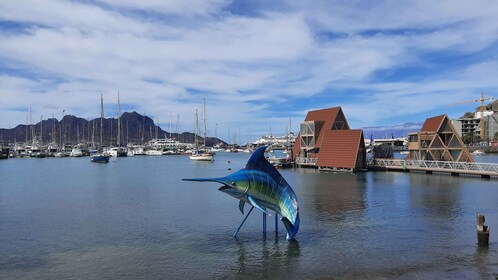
202	157
154	153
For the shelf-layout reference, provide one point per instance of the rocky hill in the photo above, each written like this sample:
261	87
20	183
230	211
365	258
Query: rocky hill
135	128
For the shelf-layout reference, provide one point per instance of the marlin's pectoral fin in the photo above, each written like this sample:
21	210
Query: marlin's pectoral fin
255	204
241	206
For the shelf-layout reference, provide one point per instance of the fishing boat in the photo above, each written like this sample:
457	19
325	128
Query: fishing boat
100	156
198	154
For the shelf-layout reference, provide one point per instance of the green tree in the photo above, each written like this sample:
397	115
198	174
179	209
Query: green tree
495	137
467	138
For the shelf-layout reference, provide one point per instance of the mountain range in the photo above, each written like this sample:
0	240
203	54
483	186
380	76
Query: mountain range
135	128
382	132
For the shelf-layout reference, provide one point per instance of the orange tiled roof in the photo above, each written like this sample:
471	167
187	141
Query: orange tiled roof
327	116
432	124
340	148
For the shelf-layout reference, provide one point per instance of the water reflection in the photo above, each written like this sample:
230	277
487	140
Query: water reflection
333	197
276	258
135	218
436	195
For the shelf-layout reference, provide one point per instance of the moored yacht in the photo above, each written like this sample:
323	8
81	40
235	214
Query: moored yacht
201	155
76	152
117	152
100	156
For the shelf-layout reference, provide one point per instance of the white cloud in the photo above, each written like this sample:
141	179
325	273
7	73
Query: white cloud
68	14
182	8
248	67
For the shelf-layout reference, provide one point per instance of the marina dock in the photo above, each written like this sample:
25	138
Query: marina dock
484	170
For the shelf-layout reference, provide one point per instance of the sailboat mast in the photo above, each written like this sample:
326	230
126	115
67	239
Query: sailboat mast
101	119
177	127
205	123
41	130
157	127
143	129
93	133
169	125
196	129
52	139
118	139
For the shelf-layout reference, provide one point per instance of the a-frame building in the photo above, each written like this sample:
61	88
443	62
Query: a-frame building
438	141
326	141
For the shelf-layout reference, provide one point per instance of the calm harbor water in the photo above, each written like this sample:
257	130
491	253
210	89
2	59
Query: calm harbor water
135	219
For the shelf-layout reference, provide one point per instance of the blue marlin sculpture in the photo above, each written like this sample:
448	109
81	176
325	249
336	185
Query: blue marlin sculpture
262	186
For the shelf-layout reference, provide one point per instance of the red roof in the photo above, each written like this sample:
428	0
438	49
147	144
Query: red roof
432	124
328	117
340	148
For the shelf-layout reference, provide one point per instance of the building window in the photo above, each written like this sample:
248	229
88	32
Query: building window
307	131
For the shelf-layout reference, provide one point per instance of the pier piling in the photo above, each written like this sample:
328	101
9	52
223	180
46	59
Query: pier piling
482	231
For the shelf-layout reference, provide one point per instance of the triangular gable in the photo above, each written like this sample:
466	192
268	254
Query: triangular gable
446	126
340	121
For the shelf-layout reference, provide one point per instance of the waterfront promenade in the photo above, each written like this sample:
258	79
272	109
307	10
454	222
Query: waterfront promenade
485	170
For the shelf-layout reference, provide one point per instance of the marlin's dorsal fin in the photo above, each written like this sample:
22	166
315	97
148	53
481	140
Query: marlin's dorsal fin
256	204
259	162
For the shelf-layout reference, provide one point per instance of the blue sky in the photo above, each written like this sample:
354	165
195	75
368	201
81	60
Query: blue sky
257	63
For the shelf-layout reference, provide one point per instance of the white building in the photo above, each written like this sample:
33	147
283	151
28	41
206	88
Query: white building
270	140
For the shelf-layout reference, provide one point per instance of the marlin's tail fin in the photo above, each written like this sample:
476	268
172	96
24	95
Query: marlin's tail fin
291	228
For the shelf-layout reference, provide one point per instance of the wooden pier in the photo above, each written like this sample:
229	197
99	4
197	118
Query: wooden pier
484	170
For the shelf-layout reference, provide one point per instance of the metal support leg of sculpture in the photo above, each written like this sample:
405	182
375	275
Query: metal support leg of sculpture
264	224
276	224
243	221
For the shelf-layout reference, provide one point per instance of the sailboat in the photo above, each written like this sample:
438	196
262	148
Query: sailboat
201	155
118	151
100	156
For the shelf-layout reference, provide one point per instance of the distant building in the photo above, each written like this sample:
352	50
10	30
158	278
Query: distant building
469	126
457	124
491	127
438	141
326	141
472	125
270	140
398	144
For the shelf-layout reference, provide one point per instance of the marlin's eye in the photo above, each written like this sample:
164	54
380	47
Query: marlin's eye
233	183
